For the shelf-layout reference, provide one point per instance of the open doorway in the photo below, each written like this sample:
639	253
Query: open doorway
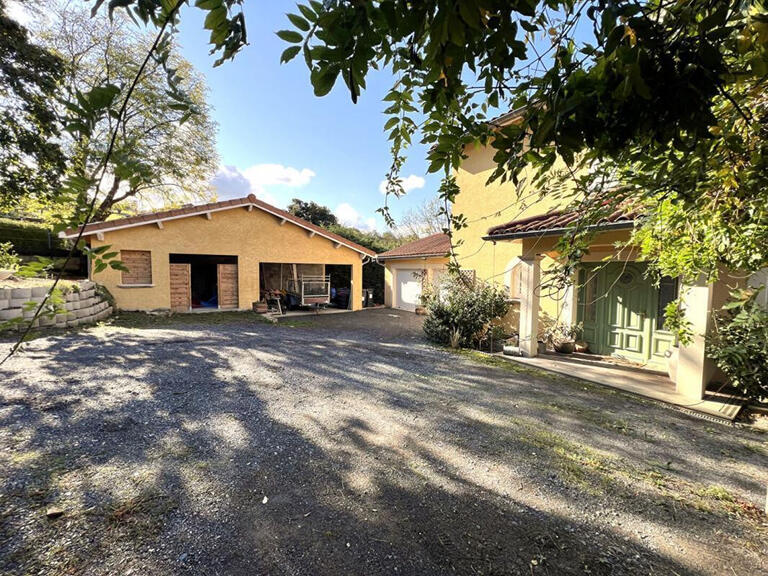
206	281
341	285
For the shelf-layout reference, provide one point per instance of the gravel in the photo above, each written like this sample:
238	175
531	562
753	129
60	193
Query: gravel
345	444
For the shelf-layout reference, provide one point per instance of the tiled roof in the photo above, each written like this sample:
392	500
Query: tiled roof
555	222
250	200
435	245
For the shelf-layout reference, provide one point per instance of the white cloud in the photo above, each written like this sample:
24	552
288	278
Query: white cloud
231	182
408	183
348	216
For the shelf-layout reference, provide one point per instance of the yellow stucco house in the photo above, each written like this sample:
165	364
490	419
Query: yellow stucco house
511	238
225	255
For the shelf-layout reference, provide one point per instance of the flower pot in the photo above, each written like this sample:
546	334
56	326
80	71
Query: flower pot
581	346
5	274
672	357
565	347
421	310
542	347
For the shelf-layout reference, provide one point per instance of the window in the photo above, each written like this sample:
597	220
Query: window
139	264
668	290
587	295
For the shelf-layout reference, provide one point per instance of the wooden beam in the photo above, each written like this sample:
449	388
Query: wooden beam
100	236
208	216
283	221
311	233
160	224
337	245
250	208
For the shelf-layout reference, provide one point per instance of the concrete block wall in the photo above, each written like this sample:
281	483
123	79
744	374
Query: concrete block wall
82	305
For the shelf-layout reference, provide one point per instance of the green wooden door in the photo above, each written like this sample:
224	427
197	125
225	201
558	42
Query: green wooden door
622	312
627	313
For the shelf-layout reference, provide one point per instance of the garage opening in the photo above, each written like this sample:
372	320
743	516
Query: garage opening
202	281
304	286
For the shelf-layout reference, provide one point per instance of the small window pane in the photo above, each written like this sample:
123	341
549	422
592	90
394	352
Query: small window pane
139	264
668	289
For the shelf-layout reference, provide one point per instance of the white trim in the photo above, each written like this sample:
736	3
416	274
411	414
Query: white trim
159	224
250	208
311	233
282	219
208	216
99	236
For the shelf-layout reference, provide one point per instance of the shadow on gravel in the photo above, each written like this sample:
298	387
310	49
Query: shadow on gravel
255	449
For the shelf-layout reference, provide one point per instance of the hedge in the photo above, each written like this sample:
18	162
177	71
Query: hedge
31	238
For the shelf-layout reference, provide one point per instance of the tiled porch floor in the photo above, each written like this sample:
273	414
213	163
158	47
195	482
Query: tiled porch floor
648	383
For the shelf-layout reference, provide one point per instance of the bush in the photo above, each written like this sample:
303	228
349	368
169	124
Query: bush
30	238
459	314
9	260
739	343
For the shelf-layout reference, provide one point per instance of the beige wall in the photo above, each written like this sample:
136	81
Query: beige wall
485	206
253	237
432	266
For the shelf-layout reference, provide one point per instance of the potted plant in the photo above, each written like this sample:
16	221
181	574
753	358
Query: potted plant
562	337
9	260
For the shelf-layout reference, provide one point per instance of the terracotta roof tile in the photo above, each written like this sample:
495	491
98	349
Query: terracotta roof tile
555	221
435	245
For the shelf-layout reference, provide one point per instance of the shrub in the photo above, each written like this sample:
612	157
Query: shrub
9	260
30	238
458	313
738	344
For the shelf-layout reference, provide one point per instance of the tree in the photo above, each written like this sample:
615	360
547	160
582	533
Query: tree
31	161
165	152
313	212
425	219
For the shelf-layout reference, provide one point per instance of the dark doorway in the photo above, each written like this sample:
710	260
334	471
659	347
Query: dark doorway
204	277
341	284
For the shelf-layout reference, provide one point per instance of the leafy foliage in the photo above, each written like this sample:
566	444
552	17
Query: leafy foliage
313	212
9	260
165	151
31	161
30	237
459	313
739	344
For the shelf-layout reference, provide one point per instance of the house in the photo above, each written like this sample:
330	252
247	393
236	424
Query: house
410	266
224	255
511	239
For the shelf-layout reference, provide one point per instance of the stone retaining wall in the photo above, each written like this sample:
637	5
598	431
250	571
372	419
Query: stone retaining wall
83	306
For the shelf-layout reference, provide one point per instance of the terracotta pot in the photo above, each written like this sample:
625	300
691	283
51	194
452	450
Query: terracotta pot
672	357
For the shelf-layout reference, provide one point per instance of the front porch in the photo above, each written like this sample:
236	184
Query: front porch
620	311
641	381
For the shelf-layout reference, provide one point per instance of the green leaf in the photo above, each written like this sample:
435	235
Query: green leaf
289	54
215	18
290	36
299	22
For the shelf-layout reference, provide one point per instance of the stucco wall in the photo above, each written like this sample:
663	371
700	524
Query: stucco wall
432	266
253	237
485	206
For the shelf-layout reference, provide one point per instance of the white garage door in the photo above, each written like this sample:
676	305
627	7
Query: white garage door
408	289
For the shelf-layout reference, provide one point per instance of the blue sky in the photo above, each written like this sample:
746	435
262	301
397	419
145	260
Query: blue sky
280	141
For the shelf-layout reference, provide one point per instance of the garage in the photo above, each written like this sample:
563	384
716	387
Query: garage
203	282
408	284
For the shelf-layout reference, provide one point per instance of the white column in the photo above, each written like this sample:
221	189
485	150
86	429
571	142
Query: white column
693	368
530	278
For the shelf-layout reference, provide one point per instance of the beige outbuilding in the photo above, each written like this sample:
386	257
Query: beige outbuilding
226	255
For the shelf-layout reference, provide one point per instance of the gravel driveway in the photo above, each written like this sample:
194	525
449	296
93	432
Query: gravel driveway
347	445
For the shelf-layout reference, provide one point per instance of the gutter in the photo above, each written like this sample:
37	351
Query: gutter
558	231
414	256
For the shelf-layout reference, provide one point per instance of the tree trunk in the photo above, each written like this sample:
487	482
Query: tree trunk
106	205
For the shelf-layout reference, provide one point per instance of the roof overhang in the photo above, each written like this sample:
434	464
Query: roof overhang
623	225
